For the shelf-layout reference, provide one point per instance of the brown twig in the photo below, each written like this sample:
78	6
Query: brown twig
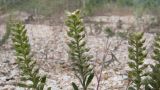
106	50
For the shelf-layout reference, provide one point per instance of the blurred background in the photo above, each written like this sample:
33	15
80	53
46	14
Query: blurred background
51	8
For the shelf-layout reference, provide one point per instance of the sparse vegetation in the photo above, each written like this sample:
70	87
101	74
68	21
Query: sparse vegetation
89	65
110	33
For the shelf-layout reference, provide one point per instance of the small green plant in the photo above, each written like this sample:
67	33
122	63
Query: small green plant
7	33
123	35
137	54
109	32
30	77
78	50
154	82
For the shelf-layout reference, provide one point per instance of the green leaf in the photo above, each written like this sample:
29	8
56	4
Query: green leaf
131	88
89	79
70	34
131	64
41	86
144	66
22	85
75	87
43	79
49	88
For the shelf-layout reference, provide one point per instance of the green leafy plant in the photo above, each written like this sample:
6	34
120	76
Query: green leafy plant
78	50
154	82
30	77
137	54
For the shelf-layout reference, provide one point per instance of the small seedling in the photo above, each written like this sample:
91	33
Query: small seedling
109	32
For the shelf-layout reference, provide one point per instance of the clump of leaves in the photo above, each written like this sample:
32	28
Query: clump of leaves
78	50
137	54
154	82
29	70
7	33
109	32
